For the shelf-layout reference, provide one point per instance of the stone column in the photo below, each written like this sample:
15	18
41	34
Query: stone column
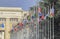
7	29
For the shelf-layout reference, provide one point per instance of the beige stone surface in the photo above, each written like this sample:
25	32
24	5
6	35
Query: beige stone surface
11	12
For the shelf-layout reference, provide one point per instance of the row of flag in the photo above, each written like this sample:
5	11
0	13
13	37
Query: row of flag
19	26
40	16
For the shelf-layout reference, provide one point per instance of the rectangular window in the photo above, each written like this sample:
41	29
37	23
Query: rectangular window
14	19
2	19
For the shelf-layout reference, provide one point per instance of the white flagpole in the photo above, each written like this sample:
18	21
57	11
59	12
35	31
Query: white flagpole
37	12
48	23
53	28
37	26
53	23
45	23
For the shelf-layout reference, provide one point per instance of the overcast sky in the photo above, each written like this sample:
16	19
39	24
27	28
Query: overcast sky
25	4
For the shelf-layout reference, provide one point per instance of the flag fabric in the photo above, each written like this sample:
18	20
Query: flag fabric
12	29
51	12
39	9
47	15
42	17
15	29
28	17
24	21
33	17
21	24
39	12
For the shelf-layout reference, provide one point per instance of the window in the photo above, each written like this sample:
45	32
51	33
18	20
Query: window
2	19
13	19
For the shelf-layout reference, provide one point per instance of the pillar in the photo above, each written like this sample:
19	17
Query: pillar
7	29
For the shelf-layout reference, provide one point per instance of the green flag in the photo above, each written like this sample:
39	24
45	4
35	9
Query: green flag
28	17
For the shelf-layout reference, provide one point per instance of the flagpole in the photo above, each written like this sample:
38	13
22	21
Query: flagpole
48	23
45	23
37	21
53	23
39	25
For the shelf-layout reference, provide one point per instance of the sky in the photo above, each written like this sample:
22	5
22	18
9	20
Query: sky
24	4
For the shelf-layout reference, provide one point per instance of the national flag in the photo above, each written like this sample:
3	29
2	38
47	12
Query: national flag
42	17
21	24
12	29
28	17
15	29
33	17
52	12
39	12
47	15
39	20
39	9
24	21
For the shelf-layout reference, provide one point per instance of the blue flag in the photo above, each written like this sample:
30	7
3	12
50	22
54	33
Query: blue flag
39	14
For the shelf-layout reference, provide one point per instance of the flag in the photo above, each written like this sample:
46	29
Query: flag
45	17
39	20
15	29
24	21
51	12
42	17
33	17
28	17
12	29
39	9
39	12
21	24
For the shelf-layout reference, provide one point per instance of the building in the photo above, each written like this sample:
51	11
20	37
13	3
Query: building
10	16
